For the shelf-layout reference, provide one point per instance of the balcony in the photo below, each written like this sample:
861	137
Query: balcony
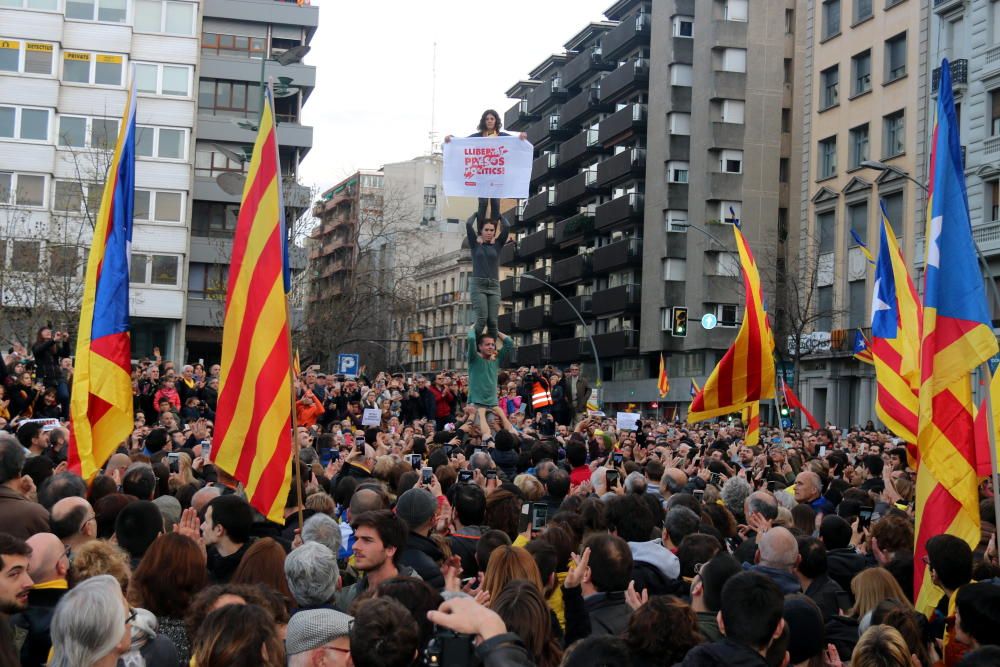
572	190
680	98
509	254
530	319
617	299
622	122
944	6
566	350
677	196
727	135
571	270
505	322
546	95
517	117
583	105
627	208
574	229
536	244
628	164
563	313
630	77
959	75
508	286
678	147
584	64
535	354
728	34
546	130
729	85
633	31
618	255
725	186
617	344
579	146
537	206
529	286
986	236
546	166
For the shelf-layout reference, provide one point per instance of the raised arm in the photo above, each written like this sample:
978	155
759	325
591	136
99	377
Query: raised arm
472	353
503	233
471	231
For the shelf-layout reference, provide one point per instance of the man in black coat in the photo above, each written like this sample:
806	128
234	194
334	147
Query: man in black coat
594	592
417	507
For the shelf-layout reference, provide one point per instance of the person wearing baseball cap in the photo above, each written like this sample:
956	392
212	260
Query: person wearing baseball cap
417	507
318	638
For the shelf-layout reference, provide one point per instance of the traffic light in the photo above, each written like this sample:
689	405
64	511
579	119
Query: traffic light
680	319
784	410
416	344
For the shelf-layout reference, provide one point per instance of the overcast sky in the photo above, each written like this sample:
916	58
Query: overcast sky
372	102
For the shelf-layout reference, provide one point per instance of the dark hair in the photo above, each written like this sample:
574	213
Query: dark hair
200	605
561	536
11	458
557	483
482	121
525	613
576	454
70	523
345	490
594	514
170	574
470	503
264	564
155	440
390	528
137	526
874	464
483	336
979	610
951	559
714	575
835	532
28	432
490	540
752	607
503	510
812	557
804	518
39	469
139	481
546	558
417	596
984	656
12	546
59	486
610	562
648	641
696	548
234	515
234	635
101	486
598	651
383	634
630	518
505	441
680	523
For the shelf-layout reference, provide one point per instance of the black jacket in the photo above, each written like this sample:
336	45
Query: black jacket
843	564
36	620
221	568
725	653
600	614
823	591
463	544
505	650
506	460
424	556
47	354
842	632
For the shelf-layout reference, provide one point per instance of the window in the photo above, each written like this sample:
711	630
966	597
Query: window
824	308
209	162
862	10
174	18
827	157
67	196
82	132
857	303
858	146
727	314
857	218
894	209
995	112
829	86
161	142
783	170
789	71
675	269
158	205
680	74
155	270
97	68
683	26
51	5
991	190
786	120
894	131
235	46
26	256
730	212
826	229
831	18
26	57
675	220
732	111
895	57
677	172
163	79
23	123
861	73
111	11
64	260
731	161
679	123
207	281
733	60
737	10
789	21
22	189
214	219
228	98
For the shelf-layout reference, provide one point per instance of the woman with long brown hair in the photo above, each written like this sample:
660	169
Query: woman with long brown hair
873	585
171	573
508	563
523	609
238	635
264	563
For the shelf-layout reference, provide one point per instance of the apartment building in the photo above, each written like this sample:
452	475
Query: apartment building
648	129
242	44
865	97
64	71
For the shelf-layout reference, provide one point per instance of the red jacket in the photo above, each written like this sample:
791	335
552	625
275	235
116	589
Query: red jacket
443	401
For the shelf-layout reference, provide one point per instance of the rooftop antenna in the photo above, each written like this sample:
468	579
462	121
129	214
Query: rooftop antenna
432	135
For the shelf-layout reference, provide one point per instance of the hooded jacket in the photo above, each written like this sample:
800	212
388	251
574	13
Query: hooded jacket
424	556
725	653
843	564
654	567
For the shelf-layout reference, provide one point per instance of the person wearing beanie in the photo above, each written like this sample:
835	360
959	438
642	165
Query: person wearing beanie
318	637
418	507
807	637
706	592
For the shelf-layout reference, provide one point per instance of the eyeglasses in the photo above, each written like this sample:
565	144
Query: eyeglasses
335	648
132	613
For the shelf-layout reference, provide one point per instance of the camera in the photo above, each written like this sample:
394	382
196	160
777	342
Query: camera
449	648
426	474
464	476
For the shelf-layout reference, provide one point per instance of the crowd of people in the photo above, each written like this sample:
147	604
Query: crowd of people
539	535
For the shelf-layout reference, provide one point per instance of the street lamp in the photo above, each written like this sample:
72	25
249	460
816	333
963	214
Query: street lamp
877	165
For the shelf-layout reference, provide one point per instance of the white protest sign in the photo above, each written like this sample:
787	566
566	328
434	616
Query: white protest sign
492	167
627	421
372	417
48	423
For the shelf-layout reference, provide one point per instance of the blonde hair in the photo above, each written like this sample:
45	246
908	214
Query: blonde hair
100	557
881	646
530	487
873	585
508	563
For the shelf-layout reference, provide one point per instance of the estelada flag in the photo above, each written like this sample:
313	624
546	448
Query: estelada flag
862	349
101	401
663	383
746	372
254	416
957	337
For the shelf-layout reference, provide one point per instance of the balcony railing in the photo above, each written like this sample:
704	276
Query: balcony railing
536	206
537	243
562	313
531	319
630	118
517	117
584	63
583	105
528	286
633	31
617	299
620	210
544	166
617	343
617	255
628	163
576	227
631	76
572	269
579	146
959	74
545	95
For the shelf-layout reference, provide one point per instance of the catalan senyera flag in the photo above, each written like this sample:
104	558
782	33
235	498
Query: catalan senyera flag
862	349
896	322
253	421
957	337
751	420
746	372
663	383
984	462
792	401
101	400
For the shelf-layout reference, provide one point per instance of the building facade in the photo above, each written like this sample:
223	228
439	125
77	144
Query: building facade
864	98
660	119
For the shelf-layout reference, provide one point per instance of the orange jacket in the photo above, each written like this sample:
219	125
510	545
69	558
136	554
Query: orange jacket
306	415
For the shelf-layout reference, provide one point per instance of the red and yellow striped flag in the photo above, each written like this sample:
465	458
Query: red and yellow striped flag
746	372
751	419
254	419
663	383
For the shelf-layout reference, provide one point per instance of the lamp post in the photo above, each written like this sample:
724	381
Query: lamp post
882	166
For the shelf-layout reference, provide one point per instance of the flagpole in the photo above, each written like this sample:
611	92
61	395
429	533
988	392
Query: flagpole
777	407
994	477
